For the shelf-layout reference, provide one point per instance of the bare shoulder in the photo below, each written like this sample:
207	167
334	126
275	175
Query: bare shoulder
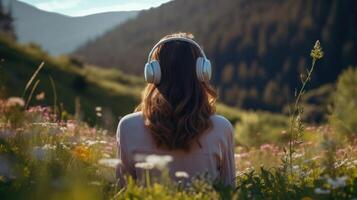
221	122
130	123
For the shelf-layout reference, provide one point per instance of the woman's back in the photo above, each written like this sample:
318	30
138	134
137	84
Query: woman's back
212	153
176	117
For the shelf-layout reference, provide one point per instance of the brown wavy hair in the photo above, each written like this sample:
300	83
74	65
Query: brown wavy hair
177	110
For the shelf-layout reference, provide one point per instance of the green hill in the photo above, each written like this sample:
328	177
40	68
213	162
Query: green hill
115	92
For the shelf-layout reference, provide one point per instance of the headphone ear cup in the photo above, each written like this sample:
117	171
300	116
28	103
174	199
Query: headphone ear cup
203	69
149	73
207	70
152	72
155	65
199	68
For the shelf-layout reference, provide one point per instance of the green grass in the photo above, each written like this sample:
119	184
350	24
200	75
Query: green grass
49	156
117	93
42	158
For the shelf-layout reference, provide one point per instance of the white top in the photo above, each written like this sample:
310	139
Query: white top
215	155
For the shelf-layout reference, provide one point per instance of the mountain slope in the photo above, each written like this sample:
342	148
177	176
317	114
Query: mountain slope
60	34
78	87
258	48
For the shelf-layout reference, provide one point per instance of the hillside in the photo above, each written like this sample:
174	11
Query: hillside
81	88
258	48
60	34
76	86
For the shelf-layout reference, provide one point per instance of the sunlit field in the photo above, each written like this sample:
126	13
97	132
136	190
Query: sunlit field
48	155
285	73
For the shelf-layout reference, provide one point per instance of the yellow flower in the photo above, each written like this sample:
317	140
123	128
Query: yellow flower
317	52
306	198
81	153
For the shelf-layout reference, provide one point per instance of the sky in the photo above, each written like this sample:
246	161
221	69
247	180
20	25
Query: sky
86	7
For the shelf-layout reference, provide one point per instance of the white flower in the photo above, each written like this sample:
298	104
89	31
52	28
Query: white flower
338	182
181	174
14	101
109	162
298	155
63	129
49	147
159	162
91	142
64	146
321	191
144	165
98	109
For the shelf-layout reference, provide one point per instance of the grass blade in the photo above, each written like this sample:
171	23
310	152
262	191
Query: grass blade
31	93
33	77
54	94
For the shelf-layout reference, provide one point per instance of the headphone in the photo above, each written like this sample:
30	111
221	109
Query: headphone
152	69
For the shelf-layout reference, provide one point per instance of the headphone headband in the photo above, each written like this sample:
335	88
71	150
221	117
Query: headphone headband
176	38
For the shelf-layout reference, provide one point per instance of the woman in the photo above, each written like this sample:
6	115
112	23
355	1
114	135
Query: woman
177	117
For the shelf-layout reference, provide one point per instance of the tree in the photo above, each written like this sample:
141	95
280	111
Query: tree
344	112
6	21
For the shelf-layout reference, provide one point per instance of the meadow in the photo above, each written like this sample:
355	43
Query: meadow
48	153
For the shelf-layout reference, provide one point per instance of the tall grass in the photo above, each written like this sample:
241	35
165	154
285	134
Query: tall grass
296	128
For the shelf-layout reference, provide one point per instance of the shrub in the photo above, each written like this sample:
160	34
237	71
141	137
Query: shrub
344	111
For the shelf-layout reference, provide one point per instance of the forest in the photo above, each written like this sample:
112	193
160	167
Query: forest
258	49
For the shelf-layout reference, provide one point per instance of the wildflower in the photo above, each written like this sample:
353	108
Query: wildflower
296	167
321	191
15	101
81	153
316	52
63	129
98	109
181	174
338	182
298	155
64	146
49	147
109	162
159	162
306	198
91	142
340	163
144	165
71	125
242	155
312	159
40	96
